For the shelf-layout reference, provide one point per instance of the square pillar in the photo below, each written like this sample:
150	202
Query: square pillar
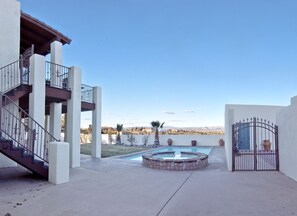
73	116
96	123
37	96
56	58
56	80
55	120
58	162
229	120
56	52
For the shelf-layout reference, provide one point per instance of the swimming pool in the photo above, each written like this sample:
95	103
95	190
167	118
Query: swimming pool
176	149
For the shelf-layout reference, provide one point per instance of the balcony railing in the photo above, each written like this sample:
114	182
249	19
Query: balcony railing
56	75
87	93
13	75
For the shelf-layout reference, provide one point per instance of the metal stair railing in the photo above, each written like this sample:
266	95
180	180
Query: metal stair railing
24	131
13	75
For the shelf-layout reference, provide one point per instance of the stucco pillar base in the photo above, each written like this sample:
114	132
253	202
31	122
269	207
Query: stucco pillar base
58	162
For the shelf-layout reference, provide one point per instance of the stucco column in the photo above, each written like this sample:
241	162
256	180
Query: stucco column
58	162
229	120
55	120
37	96
96	123
56	58
73	116
56	80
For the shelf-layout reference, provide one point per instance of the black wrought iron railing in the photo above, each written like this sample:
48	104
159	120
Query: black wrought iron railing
87	93
56	75
13	75
25	132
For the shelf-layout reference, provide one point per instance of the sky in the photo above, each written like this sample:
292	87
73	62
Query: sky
177	61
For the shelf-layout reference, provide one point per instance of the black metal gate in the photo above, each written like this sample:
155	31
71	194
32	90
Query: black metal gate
255	145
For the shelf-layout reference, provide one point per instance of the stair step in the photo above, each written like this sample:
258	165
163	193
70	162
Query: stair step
36	161
27	154
11	92
24	158
17	148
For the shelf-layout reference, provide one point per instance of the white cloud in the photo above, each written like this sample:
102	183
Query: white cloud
176	120
168	112
189	111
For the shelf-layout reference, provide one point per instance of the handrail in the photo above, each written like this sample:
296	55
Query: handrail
87	93
56	75
25	132
13	75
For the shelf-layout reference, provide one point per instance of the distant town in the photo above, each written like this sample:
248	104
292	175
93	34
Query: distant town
165	130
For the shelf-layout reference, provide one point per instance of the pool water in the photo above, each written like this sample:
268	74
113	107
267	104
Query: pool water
176	149
173	156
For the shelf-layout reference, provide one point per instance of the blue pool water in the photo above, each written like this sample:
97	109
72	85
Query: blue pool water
177	150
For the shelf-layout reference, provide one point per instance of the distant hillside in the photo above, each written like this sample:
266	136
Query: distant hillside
166	130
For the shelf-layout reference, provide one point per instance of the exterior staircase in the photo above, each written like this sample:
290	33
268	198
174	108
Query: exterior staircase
22	139
18	92
24	157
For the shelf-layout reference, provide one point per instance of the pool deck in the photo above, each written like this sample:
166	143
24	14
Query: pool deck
114	187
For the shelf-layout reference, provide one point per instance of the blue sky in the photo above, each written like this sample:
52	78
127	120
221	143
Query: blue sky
178	61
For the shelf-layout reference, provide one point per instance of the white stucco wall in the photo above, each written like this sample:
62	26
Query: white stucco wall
9	44
180	140
10	31
286	120
235	113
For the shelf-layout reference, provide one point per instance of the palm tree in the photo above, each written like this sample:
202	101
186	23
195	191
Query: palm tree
156	125
119	128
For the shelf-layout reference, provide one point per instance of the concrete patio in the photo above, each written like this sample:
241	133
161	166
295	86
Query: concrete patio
112	187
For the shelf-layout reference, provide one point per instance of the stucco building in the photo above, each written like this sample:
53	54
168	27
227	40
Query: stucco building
35	93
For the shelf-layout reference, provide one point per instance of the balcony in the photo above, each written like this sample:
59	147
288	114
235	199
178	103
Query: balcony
13	75
87	98
56	75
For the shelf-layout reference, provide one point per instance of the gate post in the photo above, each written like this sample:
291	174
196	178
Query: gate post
233	148
276	147
255	142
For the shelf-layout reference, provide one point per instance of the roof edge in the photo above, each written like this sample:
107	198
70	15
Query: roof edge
61	37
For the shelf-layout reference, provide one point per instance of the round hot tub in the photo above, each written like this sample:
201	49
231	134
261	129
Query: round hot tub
175	161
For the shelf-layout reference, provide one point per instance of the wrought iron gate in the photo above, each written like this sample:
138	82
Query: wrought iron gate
255	145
